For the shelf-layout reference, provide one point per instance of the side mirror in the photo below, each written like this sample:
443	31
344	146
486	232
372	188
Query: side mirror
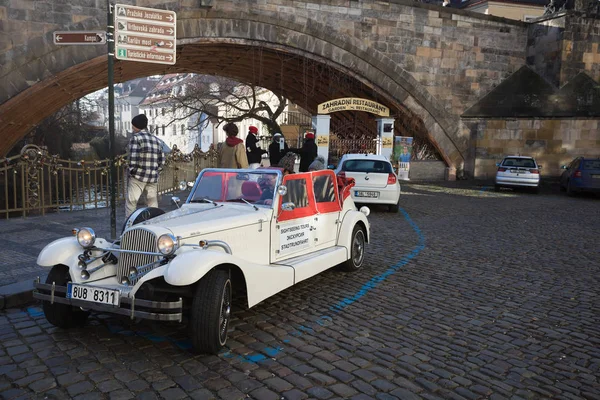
288	207
331	166
563	167
282	190
497	164
176	200
539	167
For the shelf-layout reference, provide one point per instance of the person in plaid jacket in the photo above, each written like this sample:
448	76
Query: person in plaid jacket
146	158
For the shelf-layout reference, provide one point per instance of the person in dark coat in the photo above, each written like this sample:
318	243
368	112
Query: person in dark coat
253	152
275	151
308	152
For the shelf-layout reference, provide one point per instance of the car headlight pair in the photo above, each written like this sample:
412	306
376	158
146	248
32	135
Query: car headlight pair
167	244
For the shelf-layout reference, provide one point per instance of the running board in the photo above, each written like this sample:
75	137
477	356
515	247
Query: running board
308	265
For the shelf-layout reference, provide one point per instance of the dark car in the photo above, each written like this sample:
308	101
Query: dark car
581	175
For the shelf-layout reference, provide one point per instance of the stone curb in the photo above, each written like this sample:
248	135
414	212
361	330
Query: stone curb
16	294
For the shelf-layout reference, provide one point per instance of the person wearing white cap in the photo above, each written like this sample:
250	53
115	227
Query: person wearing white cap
276	150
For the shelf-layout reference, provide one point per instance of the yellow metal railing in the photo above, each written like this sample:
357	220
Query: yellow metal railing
35	182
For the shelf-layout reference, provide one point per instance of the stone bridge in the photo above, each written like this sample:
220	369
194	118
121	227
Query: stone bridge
427	63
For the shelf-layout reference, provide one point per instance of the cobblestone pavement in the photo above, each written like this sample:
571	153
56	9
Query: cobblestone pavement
467	294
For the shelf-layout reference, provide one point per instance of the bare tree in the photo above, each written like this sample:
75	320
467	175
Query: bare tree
208	95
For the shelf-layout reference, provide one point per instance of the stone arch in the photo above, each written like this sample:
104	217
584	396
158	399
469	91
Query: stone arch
77	70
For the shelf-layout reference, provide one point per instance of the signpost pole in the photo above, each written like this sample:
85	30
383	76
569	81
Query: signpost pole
111	118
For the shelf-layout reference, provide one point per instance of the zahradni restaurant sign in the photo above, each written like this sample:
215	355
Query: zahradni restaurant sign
353	104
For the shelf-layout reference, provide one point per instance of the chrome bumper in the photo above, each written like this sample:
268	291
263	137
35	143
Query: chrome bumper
153	310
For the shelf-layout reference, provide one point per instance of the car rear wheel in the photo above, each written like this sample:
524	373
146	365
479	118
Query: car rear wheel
211	312
62	315
357	250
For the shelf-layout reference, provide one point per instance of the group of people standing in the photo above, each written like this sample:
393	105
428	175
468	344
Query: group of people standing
235	154
146	158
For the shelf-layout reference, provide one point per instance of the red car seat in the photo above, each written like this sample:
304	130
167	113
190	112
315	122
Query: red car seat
251	191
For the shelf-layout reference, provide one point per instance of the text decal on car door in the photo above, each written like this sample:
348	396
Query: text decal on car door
293	237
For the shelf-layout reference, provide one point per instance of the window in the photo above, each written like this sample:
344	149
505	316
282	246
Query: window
174	129
182	129
519	162
296	193
370	166
324	189
163	130
591	164
162	111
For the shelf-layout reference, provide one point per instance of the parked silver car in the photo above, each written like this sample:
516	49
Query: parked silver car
518	171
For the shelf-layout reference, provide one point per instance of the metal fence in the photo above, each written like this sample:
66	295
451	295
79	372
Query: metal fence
339	147
35	182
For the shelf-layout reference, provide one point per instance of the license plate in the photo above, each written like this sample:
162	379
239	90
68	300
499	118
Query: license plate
518	171
359	193
93	294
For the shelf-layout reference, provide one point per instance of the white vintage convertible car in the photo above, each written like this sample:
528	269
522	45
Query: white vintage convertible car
254	232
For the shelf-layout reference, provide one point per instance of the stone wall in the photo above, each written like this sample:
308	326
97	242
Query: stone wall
544	48
562	46
427	170
580	52
553	142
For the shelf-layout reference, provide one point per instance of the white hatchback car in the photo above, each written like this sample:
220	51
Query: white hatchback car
518	171
376	182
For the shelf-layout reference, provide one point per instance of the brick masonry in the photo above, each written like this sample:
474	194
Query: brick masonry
553	142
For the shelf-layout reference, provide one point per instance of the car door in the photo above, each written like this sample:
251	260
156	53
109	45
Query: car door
292	232
328	209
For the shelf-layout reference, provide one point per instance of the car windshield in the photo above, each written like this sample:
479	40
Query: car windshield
369	166
256	187
591	164
518	162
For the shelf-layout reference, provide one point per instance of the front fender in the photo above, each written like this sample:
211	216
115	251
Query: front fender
189	267
60	251
351	218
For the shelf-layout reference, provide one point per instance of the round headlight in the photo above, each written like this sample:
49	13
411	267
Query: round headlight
86	237
167	244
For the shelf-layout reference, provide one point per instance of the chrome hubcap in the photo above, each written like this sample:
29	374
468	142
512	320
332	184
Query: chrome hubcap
358	246
225	312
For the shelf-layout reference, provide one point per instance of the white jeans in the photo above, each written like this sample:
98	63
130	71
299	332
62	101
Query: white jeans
135	188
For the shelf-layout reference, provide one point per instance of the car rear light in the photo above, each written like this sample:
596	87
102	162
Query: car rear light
577	174
534	171
391	179
500	169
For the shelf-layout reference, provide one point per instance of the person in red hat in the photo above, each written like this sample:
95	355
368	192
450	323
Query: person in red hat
308	152
253	151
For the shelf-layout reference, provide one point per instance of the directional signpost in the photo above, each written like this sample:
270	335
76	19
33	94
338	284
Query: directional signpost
79	37
139	34
145	34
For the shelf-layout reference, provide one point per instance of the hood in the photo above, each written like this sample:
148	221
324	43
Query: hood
200	219
232	141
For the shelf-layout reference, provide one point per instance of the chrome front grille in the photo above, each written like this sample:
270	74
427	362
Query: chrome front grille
137	240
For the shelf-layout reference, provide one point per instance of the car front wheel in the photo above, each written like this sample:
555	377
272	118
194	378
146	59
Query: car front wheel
357	250
62	315
211	312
